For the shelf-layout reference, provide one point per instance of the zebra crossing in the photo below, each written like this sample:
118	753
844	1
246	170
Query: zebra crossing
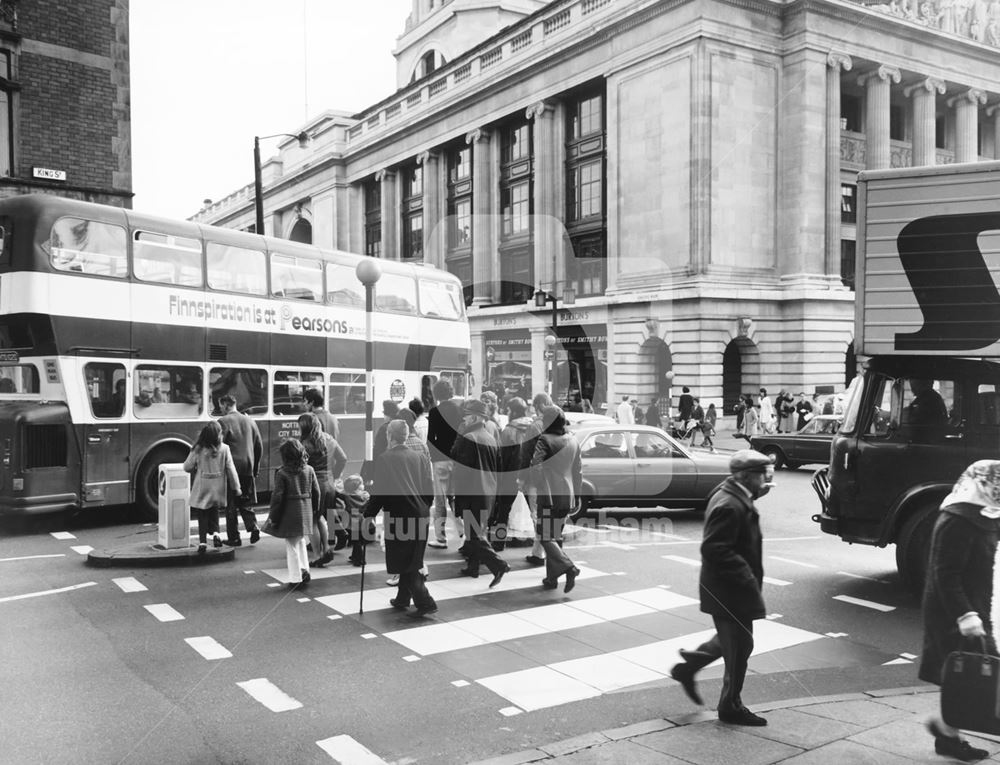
538	649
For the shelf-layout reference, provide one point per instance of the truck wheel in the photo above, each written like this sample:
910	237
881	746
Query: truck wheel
913	546
776	454
147	490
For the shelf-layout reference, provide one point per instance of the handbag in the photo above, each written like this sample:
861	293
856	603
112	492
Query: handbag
969	690
519	523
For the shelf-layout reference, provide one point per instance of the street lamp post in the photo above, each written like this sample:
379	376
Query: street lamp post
258	191
542	299
369	272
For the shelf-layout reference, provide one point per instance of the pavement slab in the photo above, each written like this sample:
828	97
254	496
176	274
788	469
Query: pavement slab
712	743
618	752
795	728
866	714
909	738
844	752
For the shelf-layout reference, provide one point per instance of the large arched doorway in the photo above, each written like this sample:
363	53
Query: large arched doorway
850	365
655	362
740	371
302	232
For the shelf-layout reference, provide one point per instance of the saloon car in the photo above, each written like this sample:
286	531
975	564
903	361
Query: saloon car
811	444
642	466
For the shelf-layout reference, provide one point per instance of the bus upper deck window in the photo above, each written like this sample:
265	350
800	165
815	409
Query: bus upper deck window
440	300
167	259
88	247
343	287
296	278
396	293
236	269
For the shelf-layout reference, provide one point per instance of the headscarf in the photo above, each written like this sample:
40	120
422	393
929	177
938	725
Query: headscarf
978	485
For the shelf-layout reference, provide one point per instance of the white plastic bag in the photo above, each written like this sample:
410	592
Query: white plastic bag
519	524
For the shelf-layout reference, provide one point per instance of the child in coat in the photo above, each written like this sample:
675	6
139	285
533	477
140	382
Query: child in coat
214	472
294	499
354	498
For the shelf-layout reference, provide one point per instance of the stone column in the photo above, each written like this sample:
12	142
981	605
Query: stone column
924	96
835	62
435	225
483	247
994	112
549	259
967	124
390	214
877	156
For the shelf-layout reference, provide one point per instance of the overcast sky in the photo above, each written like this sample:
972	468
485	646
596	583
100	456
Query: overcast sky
208	75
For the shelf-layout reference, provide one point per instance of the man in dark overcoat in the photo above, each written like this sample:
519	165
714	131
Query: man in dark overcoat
404	490
732	575
240	432
443	424
476	455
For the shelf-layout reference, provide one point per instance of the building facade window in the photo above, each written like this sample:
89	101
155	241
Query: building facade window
586	193
848	203
8	90
897	123
850	113
413	212
373	218
516	208
459	258
848	248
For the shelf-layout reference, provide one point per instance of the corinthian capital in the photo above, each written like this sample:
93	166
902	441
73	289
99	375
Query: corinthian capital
884	72
930	84
476	136
971	95
538	110
838	61
385	174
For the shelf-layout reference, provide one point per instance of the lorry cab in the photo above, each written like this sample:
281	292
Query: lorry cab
909	431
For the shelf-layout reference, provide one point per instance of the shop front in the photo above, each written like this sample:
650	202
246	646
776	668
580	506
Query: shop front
508	364
581	368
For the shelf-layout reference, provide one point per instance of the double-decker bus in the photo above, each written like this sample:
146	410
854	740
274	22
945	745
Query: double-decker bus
119	332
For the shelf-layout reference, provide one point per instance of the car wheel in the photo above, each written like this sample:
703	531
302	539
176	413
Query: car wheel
775	454
585	505
147	490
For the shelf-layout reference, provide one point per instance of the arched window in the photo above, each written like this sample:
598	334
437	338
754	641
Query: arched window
302	231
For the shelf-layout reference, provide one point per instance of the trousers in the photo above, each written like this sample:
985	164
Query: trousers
733	643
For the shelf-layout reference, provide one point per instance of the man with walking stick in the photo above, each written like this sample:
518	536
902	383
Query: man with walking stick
404	490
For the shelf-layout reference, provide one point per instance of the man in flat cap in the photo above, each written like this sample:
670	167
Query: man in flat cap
732	574
477	460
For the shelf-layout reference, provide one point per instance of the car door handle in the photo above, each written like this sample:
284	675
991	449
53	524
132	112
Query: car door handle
643	464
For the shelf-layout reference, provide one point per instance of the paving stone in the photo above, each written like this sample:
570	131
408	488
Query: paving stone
515	758
714	743
918	704
908	738
867	713
617	752
844	752
795	728
569	745
637	729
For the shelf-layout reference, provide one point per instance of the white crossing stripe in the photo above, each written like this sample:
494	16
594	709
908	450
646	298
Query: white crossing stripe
47	592
446	589
62	535
896	661
130	584
793	562
270	695
346	750
865	603
539	620
163	612
680	559
32	557
584	678
208	647
82	549
776	582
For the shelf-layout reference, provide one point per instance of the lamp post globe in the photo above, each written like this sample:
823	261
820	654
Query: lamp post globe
670	376
550	341
368	271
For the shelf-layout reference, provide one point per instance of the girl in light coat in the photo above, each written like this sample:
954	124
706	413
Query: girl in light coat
214	471
294	499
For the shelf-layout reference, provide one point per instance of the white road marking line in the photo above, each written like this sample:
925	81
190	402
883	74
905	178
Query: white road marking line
460	683
865	603
617	545
795	562
82	549
163	612
680	559
859	576
836	634
130	584
302	600
776	582
369	636
250	572
335	617
510	711
772	617
910	656
47	592
411	658
62	535
270	695
346	750
208	647
896	661
32	557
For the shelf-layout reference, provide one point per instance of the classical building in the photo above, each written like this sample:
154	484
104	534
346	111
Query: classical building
685	169
65	126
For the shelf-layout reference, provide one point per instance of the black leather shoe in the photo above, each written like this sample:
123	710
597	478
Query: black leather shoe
499	575
217	541
474	573
534	560
684	675
254	536
571	576
306	577
742	717
397	605
234	542
549	584
953	746
422	612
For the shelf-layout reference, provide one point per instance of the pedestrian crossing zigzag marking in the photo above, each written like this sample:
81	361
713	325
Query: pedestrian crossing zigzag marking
444	589
536	620
587	677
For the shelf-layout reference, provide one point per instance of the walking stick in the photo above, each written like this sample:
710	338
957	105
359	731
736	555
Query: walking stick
364	559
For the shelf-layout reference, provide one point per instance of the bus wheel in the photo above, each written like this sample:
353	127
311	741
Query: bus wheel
147	490
913	546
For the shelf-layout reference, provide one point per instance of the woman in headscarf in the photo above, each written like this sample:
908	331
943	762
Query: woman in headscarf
959	587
